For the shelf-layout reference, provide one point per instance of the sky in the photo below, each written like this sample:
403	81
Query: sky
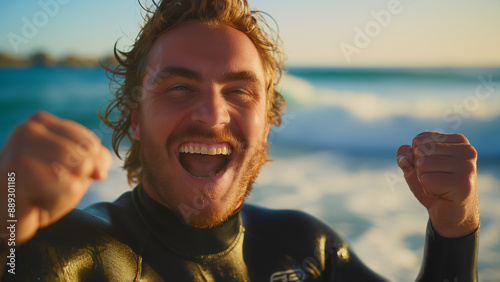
314	32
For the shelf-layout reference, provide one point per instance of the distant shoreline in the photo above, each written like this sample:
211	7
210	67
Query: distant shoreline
43	59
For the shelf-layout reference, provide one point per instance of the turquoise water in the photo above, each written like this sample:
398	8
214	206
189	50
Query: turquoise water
67	92
335	153
348	110
375	110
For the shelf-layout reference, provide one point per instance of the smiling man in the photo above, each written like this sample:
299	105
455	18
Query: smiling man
205	109
197	100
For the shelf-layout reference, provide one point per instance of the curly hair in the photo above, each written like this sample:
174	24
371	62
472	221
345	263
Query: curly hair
162	17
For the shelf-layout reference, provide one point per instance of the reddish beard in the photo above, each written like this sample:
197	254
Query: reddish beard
249	165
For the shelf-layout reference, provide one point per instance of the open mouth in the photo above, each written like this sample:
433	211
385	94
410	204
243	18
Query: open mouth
205	161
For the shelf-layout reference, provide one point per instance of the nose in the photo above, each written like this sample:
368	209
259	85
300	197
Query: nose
211	109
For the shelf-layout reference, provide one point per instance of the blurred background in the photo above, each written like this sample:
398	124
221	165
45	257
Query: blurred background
363	78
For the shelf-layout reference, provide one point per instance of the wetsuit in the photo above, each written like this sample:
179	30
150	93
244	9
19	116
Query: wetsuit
135	238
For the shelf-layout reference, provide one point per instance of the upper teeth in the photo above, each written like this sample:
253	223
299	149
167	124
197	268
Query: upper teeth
205	150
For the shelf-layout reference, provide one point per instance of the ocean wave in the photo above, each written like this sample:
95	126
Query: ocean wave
371	106
347	121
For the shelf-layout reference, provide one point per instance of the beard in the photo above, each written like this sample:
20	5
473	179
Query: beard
205	208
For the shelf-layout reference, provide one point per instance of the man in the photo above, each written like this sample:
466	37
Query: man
197	102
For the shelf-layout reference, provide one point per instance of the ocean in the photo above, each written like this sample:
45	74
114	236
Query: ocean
334	155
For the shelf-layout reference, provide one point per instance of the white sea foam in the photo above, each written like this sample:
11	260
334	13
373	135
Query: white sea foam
372	106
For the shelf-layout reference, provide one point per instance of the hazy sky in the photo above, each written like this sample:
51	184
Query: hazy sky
315	32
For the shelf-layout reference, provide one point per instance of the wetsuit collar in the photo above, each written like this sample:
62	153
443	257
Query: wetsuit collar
181	238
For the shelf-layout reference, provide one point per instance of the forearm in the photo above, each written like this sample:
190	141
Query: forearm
448	259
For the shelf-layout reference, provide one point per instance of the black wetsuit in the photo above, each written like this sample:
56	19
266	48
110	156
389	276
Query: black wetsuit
136	238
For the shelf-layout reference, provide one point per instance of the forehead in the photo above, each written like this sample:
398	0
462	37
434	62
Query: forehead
206	48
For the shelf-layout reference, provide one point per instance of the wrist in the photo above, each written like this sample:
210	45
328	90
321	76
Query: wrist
457	230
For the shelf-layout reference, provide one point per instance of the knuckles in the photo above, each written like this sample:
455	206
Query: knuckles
469	152
468	167
454	145
41	116
33	141
436	137
27	129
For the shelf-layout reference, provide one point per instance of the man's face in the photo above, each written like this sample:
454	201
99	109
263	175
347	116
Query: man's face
202	121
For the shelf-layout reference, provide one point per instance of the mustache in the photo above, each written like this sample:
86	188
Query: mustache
216	135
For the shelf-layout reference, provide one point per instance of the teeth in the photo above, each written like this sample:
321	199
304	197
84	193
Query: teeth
204	150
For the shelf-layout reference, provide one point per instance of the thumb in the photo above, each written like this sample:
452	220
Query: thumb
406	160
103	162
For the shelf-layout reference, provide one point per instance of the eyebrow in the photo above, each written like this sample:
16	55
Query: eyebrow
175	71
190	74
235	76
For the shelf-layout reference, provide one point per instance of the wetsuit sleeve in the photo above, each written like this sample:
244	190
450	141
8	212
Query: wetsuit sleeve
447	259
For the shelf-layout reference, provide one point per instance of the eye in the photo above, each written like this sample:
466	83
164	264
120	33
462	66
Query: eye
179	87
237	91
178	90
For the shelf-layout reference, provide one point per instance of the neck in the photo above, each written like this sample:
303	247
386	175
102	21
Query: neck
184	239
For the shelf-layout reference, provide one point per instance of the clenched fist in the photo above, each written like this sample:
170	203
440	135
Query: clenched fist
54	161
440	170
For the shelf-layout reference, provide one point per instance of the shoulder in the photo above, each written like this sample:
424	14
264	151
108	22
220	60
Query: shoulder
77	227
287	219
259	215
114	213
81	244
287	226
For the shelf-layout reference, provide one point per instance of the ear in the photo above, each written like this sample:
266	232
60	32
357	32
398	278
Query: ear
136	129
266	133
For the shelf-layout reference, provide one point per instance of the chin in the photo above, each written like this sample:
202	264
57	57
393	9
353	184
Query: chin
207	212
204	203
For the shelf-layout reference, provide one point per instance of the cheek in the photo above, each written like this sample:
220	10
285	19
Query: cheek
252	123
158	120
